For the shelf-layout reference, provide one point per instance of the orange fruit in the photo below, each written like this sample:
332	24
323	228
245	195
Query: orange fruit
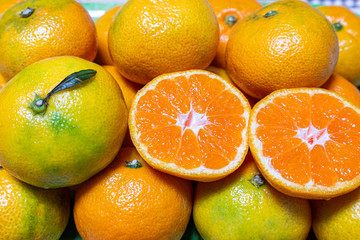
37	29
28	212
191	124
75	135
305	142
129	89
2	81
152	37
274	48
228	13
347	26
130	200
224	74
337	218
102	25
345	88
6	4
244	206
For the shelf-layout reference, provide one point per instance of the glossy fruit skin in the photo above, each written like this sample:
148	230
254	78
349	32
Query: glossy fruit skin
348	65
337	218
275	48
102	25
129	89
224	74
342	86
28	212
132	203
148	38
6	4
2	81
230	8
55	28
79	134
235	208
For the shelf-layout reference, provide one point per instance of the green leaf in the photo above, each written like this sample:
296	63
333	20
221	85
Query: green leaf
71	81
39	104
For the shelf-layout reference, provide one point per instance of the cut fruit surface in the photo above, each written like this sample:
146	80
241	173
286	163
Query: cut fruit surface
191	124
306	142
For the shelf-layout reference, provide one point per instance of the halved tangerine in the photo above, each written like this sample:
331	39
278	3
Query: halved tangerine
191	124
306	142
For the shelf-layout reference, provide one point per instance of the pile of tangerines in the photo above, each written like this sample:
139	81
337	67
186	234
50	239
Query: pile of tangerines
179	119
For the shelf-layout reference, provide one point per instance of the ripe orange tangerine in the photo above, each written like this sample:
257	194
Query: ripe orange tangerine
191	124
305	142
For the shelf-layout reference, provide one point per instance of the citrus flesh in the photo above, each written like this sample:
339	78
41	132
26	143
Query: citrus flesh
191	124
305	142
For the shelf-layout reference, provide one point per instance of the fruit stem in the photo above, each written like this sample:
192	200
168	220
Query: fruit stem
338	26
27	12
39	104
257	180
270	14
230	20
133	164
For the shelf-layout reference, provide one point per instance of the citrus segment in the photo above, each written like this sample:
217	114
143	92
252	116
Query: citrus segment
191	124
224	74
305	142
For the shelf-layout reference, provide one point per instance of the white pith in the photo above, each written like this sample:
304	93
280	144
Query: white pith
313	136
193	121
